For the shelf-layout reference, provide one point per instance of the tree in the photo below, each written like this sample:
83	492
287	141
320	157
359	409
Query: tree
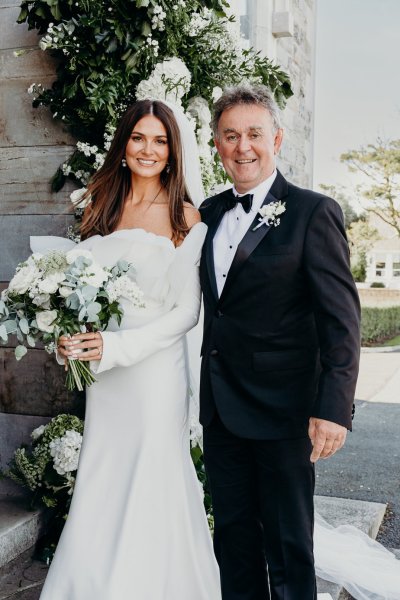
379	164
359	232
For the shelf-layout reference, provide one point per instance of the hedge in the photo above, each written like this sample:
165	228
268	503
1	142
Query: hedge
379	324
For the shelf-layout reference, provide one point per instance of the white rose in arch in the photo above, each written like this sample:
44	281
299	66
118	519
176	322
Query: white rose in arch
45	320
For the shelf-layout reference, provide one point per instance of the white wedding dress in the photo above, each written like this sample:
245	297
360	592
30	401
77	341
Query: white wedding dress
137	528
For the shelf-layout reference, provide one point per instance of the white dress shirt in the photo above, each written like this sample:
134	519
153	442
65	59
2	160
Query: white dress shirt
233	228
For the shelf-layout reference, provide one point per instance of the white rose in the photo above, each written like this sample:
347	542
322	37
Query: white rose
47	286
65	291
23	279
72	255
45	320
36	433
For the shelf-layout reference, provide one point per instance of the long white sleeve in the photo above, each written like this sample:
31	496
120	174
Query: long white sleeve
128	347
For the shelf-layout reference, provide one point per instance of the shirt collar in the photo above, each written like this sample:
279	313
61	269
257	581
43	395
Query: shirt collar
259	192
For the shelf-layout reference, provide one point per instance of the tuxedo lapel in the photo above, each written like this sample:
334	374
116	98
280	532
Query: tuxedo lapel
253	237
209	247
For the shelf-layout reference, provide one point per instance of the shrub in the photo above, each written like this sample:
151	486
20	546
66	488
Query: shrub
379	324
377	284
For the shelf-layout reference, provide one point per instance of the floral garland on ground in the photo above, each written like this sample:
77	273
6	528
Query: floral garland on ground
111	52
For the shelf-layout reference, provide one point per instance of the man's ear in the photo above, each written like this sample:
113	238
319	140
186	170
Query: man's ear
217	145
278	140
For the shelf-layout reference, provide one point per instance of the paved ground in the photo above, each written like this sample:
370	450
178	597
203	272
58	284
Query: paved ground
368	467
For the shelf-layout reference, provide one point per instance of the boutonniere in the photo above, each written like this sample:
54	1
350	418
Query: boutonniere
270	214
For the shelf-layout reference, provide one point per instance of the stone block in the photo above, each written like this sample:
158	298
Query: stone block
12	34
25	175
19	528
14	431
23	125
31	63
15	231
35	385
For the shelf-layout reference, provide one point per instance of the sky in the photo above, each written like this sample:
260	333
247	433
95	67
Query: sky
357	82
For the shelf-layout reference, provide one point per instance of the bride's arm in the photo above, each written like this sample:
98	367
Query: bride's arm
127	347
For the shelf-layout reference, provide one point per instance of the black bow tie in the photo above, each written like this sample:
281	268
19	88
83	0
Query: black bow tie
230	201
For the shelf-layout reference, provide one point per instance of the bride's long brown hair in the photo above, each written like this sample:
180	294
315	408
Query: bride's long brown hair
110	186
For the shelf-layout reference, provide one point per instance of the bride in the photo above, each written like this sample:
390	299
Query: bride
137	527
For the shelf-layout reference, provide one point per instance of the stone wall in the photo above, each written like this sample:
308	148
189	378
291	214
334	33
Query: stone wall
32	147
379	297
284	30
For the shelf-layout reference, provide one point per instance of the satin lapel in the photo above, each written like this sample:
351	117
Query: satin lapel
252	238
209	248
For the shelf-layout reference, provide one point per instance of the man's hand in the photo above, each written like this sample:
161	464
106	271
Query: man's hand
326	438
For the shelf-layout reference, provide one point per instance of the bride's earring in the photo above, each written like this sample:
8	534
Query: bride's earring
167	168
123	162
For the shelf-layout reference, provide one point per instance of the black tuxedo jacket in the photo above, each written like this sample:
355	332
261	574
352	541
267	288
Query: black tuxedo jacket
282	342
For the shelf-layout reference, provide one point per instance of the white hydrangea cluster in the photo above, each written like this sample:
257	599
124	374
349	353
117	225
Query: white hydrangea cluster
109	135
124	287
170	81
65	452
199	109
157	21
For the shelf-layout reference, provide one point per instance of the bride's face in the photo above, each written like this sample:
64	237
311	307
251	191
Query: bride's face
147	150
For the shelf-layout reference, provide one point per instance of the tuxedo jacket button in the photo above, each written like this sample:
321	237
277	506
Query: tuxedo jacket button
214	353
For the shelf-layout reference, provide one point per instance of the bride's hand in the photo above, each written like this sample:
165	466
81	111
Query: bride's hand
82	346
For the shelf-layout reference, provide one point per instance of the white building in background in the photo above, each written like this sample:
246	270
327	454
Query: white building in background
383	263
284	31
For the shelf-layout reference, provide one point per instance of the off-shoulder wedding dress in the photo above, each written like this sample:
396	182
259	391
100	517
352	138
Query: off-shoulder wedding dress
137	528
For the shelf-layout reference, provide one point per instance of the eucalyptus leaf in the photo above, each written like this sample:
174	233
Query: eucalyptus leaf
3	333
31	341
20	351
11	326
82	313
24	325
89	292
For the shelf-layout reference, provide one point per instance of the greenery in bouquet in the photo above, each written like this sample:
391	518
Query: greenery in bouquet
62	293
111	52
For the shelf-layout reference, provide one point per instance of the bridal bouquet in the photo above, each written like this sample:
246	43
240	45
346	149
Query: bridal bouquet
63	293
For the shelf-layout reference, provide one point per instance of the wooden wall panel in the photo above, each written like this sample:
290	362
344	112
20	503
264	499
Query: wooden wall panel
13	35
25	180
35	385
15	231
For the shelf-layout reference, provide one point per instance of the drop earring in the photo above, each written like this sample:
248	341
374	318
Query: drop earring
167	168
123	162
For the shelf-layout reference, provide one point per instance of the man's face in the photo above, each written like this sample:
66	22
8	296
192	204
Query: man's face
247	144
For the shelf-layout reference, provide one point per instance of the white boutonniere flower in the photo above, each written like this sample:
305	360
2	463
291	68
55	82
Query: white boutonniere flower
270	214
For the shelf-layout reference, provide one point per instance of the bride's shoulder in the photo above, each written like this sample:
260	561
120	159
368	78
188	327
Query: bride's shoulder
192	215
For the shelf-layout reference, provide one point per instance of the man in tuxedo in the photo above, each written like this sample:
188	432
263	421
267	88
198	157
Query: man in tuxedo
280	354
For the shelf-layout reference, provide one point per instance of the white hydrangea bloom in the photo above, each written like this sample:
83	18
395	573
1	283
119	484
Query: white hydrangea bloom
170	81
65	452
38	432
124	287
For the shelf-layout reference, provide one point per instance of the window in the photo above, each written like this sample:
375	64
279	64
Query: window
380	269
396	265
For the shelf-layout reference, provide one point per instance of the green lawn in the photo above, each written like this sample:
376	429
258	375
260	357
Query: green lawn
393	342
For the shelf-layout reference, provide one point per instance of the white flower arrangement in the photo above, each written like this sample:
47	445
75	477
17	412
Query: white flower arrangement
65	451
65	293
170	81
270	214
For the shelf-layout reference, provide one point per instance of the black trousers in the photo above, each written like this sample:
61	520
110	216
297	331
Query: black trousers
262	493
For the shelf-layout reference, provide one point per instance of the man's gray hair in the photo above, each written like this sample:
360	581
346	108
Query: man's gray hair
246	94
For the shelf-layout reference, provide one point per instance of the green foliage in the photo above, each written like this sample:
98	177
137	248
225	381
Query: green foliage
379	324
377	284
379	166
105	48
